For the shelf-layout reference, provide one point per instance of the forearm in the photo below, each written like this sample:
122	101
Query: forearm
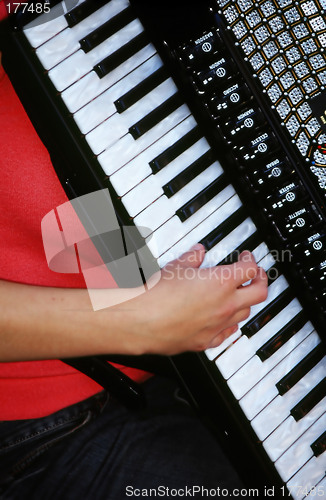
178	314
49	323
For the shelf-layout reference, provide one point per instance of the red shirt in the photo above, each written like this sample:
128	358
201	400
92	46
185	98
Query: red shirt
29	189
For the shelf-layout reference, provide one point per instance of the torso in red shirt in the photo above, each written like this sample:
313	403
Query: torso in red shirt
29	190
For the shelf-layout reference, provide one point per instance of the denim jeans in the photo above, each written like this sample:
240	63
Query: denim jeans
97	449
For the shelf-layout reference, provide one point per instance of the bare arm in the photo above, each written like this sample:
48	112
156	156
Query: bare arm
184	311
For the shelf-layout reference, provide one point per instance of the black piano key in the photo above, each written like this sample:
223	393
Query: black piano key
319	446
273	273
300	370
119	56
267	313
107	29
175	150
249	244
84	10
221	231
188	174
309	401
191	207
157	115
143	88
278	340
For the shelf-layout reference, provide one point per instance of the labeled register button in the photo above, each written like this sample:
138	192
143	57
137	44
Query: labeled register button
285	197
316	275
216	75
242	125
197	53
260	146
297	220
312	248
270	173
229	98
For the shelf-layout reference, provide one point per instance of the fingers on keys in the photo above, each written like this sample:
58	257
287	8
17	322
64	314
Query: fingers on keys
252	290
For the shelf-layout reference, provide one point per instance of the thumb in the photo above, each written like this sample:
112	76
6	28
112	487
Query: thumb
192	258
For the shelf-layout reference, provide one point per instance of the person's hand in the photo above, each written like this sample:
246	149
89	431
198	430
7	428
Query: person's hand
188	309
193	308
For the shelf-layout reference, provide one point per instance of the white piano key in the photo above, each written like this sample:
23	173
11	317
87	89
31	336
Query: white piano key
130	175
260	252
271	371
253	371
290	430
229	243
152	217
102	107
90	86
97	111
274	291
213	352
199	230
174	231
181	162
235	357
215	219
57	49
136	198
267	261
223	249
150	189
127	148
310	479
202	229
78	64
66	42
108	132
138	169
296	456
116	157
189	190
46	25
279	408
265	390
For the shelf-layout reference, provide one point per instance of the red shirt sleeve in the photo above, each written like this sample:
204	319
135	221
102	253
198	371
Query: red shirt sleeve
3	10
7	6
